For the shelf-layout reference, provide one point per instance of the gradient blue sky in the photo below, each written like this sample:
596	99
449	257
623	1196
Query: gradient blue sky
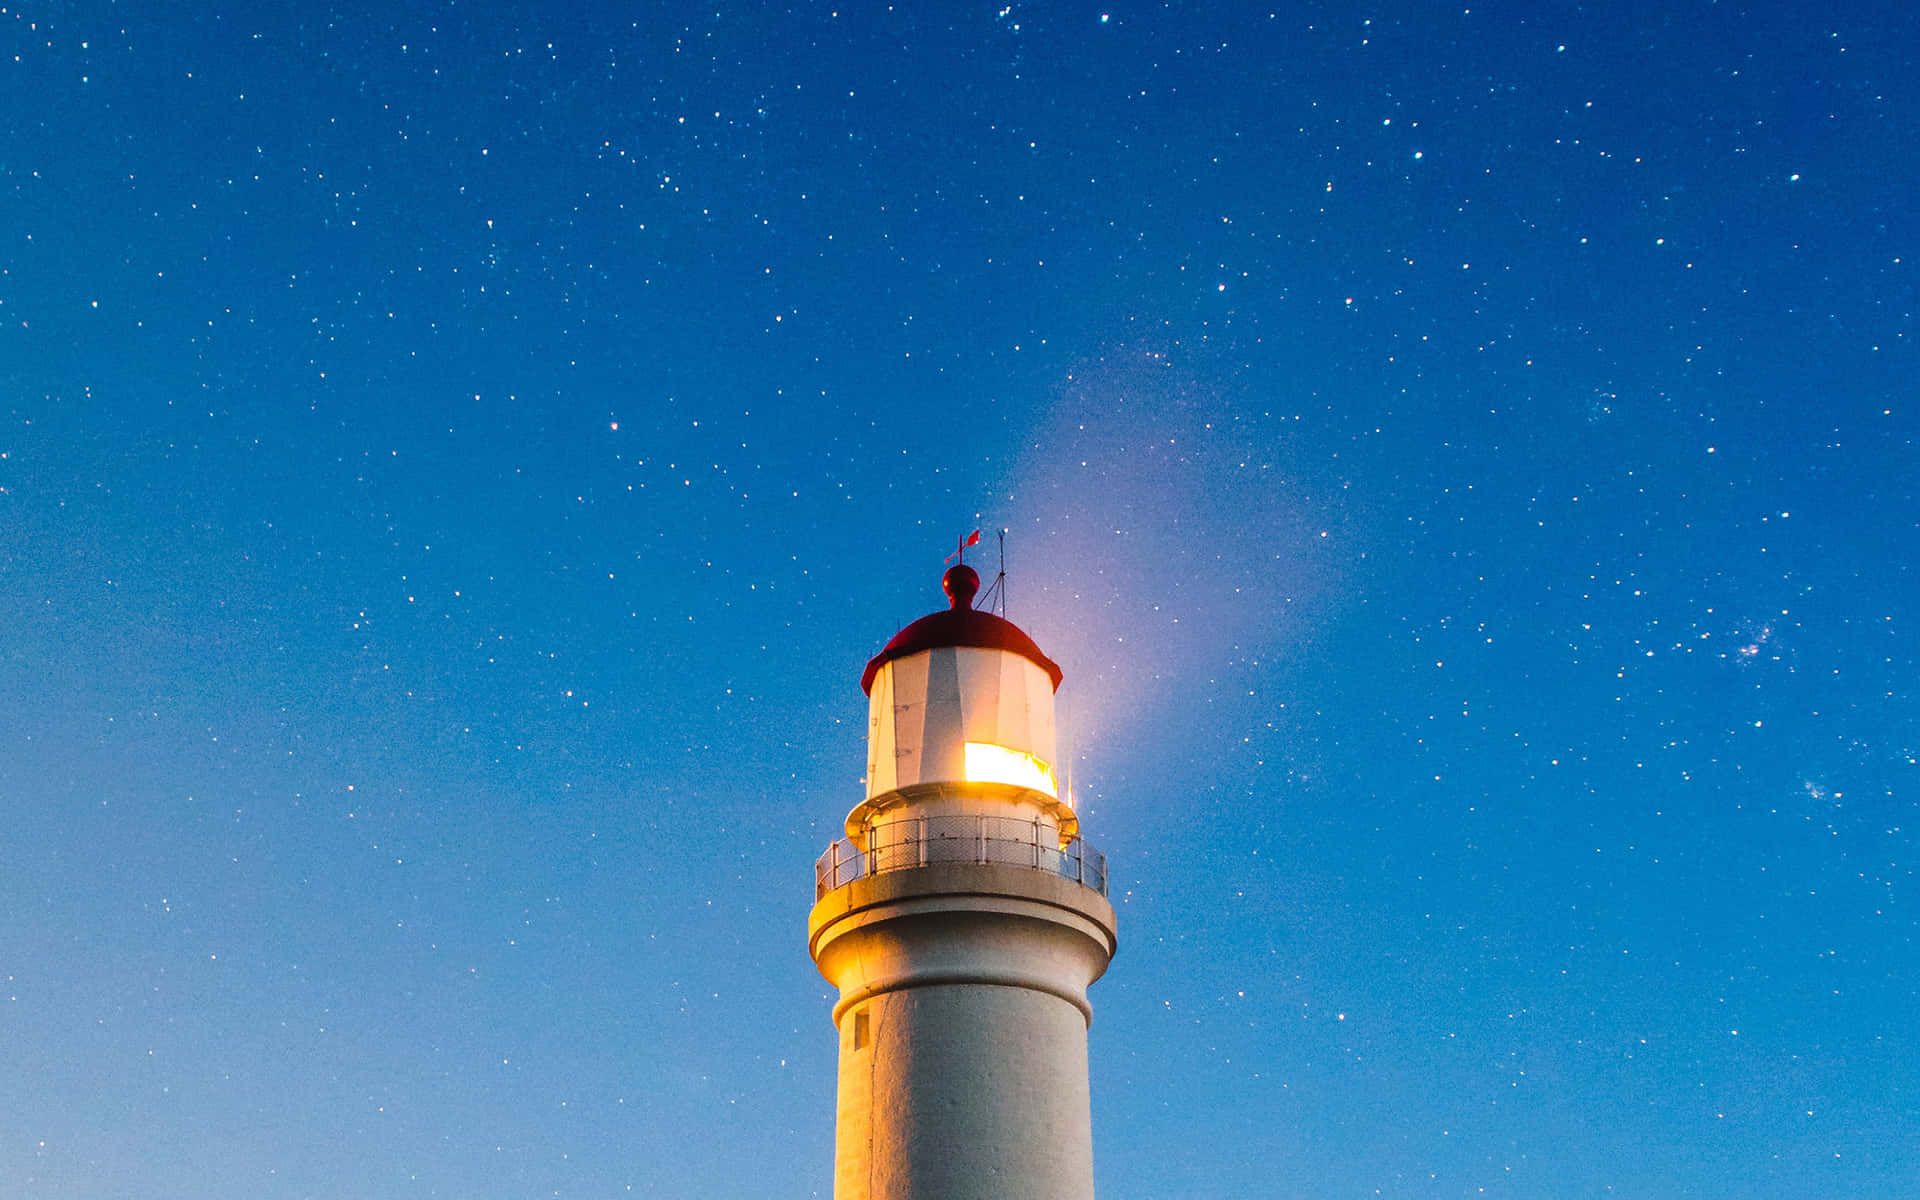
458	457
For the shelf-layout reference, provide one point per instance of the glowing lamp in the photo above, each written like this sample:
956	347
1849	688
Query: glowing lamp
988	763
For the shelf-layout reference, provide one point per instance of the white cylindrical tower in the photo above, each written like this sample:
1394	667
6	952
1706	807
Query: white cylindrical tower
961	920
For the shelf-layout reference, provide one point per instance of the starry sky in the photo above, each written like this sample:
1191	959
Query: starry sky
457	458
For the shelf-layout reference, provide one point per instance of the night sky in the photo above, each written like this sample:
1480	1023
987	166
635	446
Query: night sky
458	457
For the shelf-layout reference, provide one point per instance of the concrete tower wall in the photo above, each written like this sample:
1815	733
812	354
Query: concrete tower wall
935	1069
963	1032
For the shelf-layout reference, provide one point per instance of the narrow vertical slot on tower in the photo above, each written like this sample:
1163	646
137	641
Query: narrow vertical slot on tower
861	1035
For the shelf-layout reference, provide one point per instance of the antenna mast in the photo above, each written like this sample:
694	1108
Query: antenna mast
1000	580
994	599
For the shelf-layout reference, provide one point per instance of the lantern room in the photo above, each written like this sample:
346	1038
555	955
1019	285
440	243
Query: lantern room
961	721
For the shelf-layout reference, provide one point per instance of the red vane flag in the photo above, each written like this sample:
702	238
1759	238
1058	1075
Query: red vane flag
972	539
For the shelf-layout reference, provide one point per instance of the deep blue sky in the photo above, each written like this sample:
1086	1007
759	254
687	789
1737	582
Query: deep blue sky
457	458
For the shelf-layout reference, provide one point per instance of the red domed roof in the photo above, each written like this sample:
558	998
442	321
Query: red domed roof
960	626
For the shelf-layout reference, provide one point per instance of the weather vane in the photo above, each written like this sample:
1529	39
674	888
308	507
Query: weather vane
972	539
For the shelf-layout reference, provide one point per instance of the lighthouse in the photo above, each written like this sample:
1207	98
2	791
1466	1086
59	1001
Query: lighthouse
962	918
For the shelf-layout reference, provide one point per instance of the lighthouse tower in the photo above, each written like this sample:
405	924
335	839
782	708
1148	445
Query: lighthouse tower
962	919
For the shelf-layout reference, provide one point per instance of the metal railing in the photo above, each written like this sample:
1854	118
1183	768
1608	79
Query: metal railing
975	838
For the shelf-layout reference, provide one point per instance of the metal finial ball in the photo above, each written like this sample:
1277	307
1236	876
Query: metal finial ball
960	583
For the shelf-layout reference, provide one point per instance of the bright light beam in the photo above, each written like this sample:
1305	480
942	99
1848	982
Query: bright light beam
988	763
